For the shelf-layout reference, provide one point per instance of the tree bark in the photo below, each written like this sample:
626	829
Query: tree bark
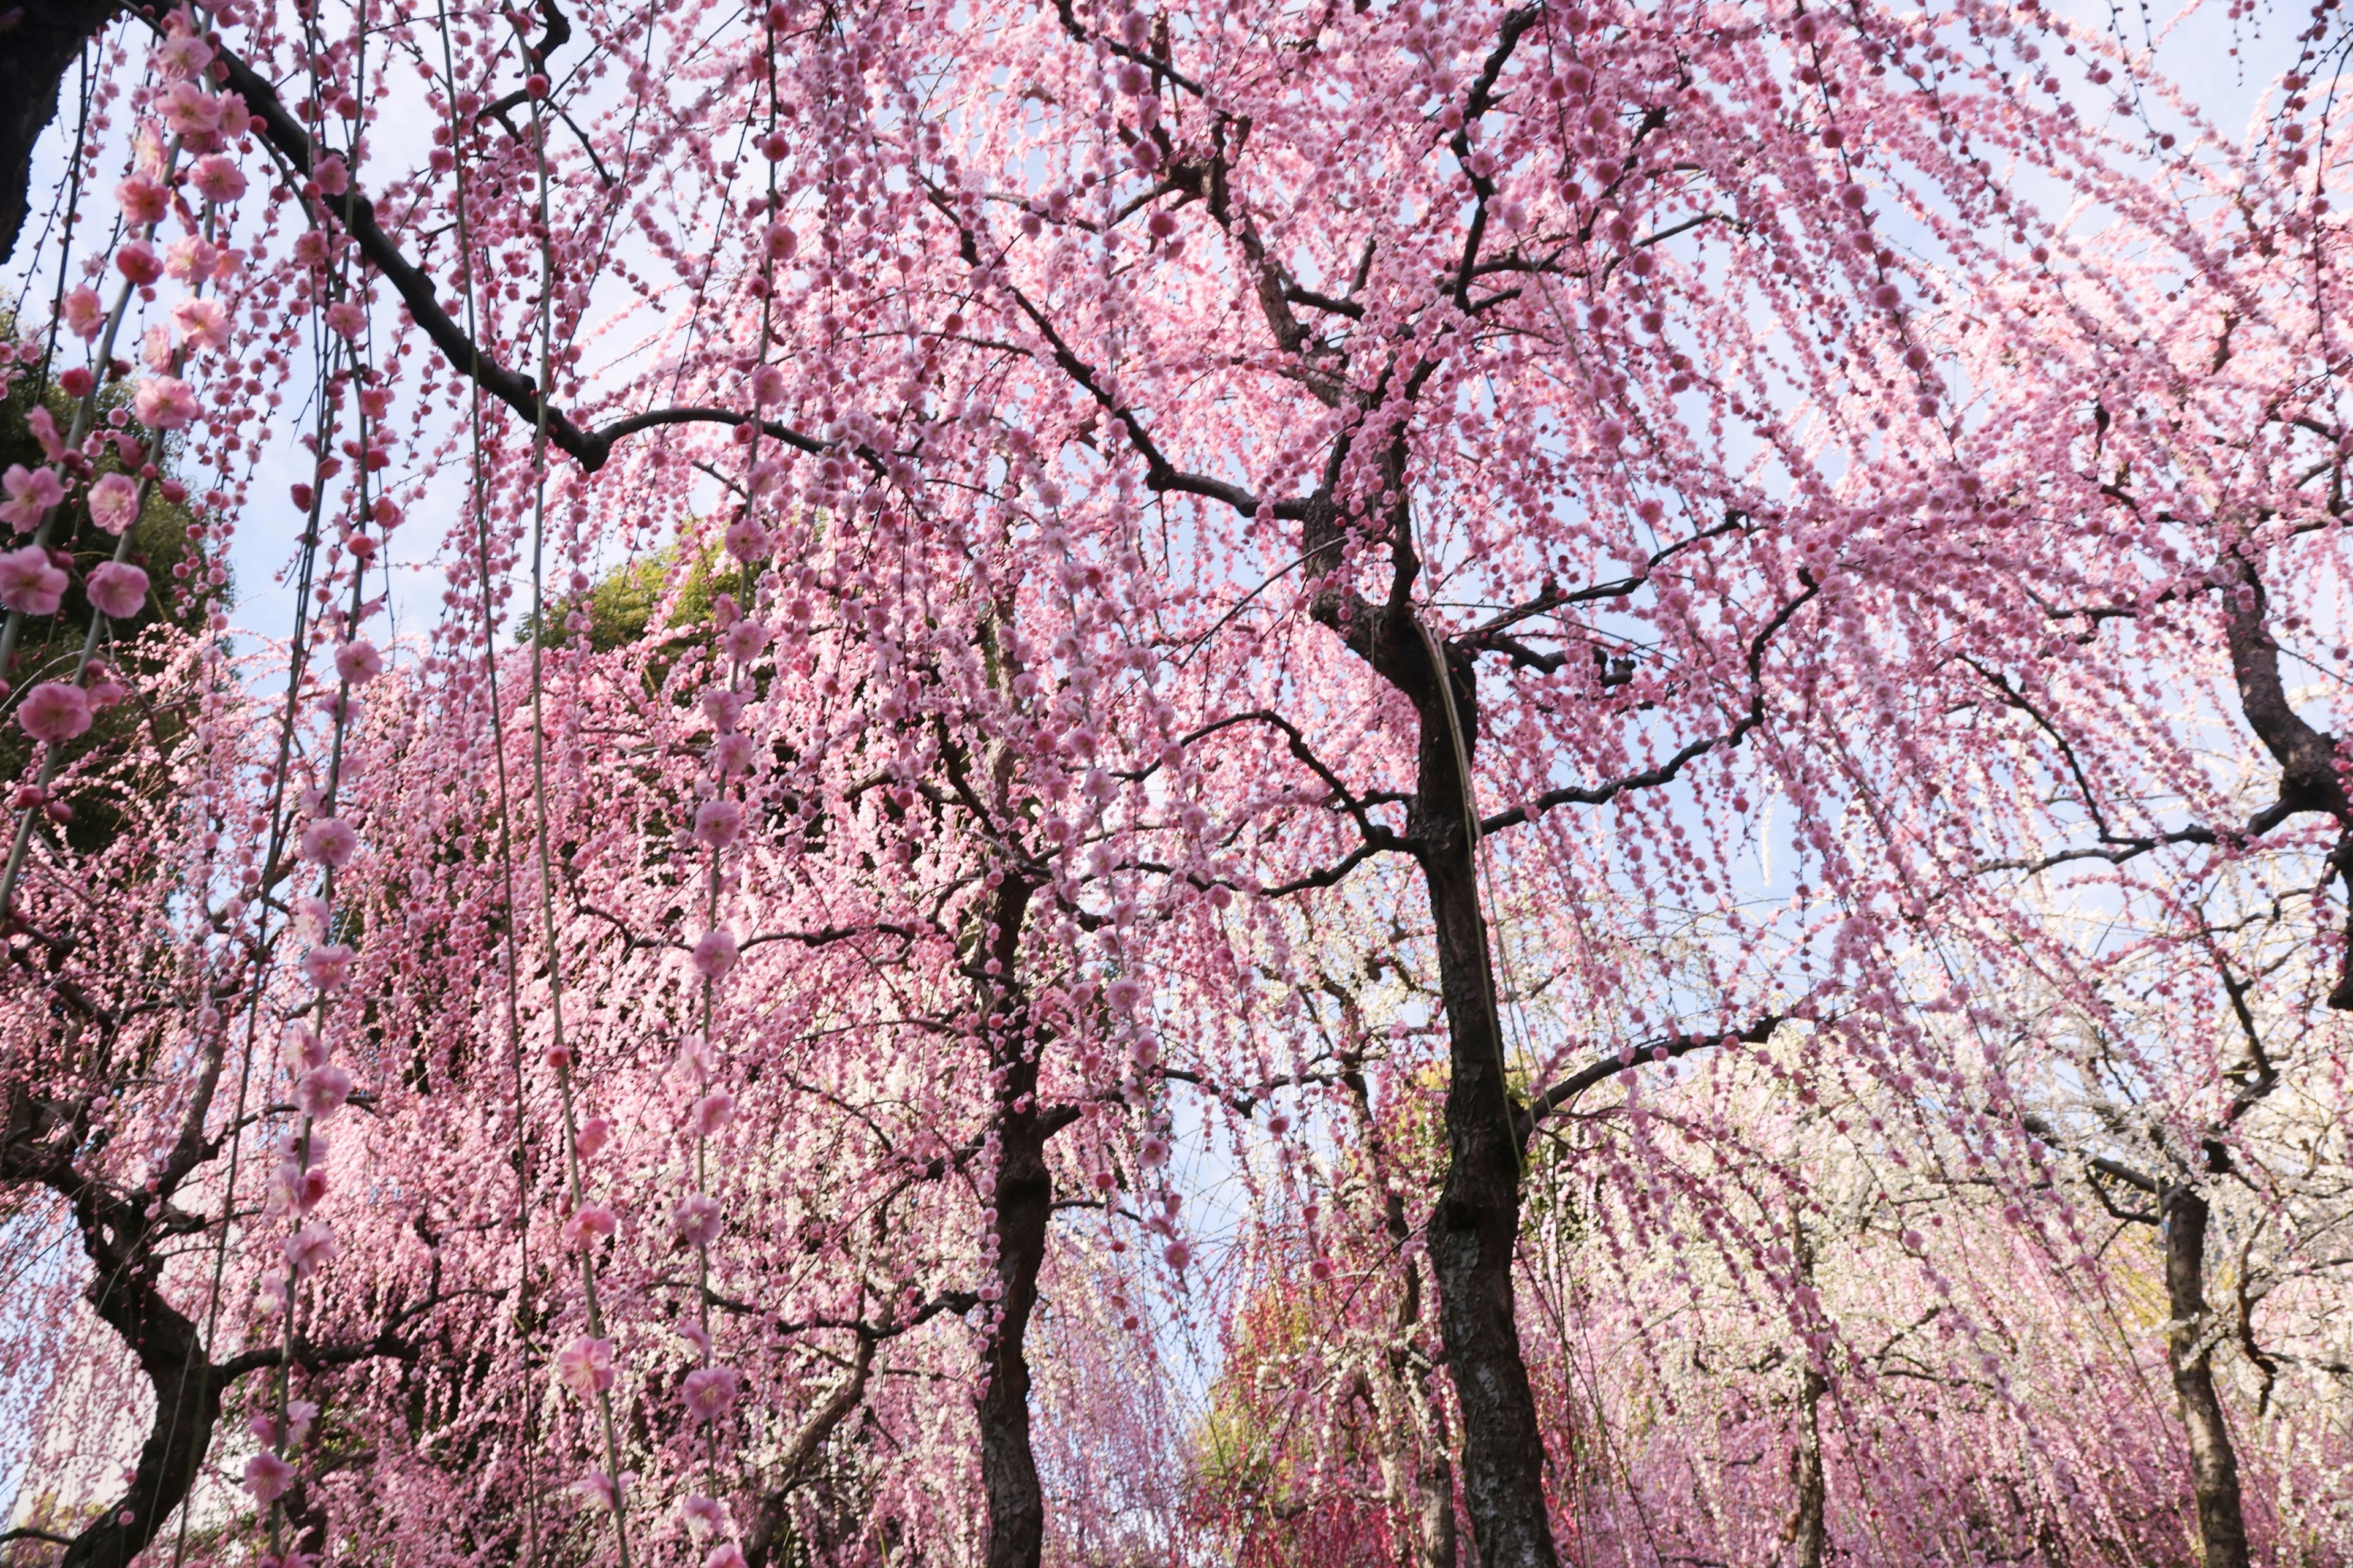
1474	1230
1025	1201
2190	1353
38	42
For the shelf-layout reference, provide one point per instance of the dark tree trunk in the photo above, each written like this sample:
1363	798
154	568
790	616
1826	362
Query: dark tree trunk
39	43
187	1407
1025	1201
2189	1351
1474	1230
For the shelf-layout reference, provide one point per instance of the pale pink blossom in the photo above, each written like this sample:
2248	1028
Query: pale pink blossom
704	1516
190	259
725	709
31	492
595	1132
726	1555
733	754
586	1365
84	315
143	200
328	965
302	1049
31	581
115	503
745	641
190	111
44	427
310	1249
320	1093
597	1489
748	542
698	1220
346	319
709	1392
358	662
717	823
267	1476
714	953
54	711
331	841
218	178
590	1224
164	402
713	1111
333	176
118	588
204	323
782	241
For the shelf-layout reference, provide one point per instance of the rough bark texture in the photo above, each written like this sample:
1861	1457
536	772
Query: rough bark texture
1008	1466
118	1236
1475	1227
2189	1351
38	44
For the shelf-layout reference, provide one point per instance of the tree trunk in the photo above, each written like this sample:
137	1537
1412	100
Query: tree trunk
1025	1198
37	43
2190	1353
1808	1528
1475	1227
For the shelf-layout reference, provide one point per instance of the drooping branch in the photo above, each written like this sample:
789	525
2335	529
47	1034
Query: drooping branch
589	447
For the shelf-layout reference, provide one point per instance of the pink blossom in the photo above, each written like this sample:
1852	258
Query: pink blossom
1178	1254
156	350
310	1249
331	841
725	709
190	111
748	542
717	823
267	1476
31	581
782	241
164	402
190	259
118	588
1124	993
115	503
595	1132
84	315
597	1488
358	662
142	201
726	1555
713	1111
333	176
320	1092
44	427
137	260
31	492
300	1414
714	955
328	965
767	386
733	754
54	711
218	178
698	1220
203	323
302	1049
590	1224
586	1365
347	320
744	640
709	1392
704	1516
